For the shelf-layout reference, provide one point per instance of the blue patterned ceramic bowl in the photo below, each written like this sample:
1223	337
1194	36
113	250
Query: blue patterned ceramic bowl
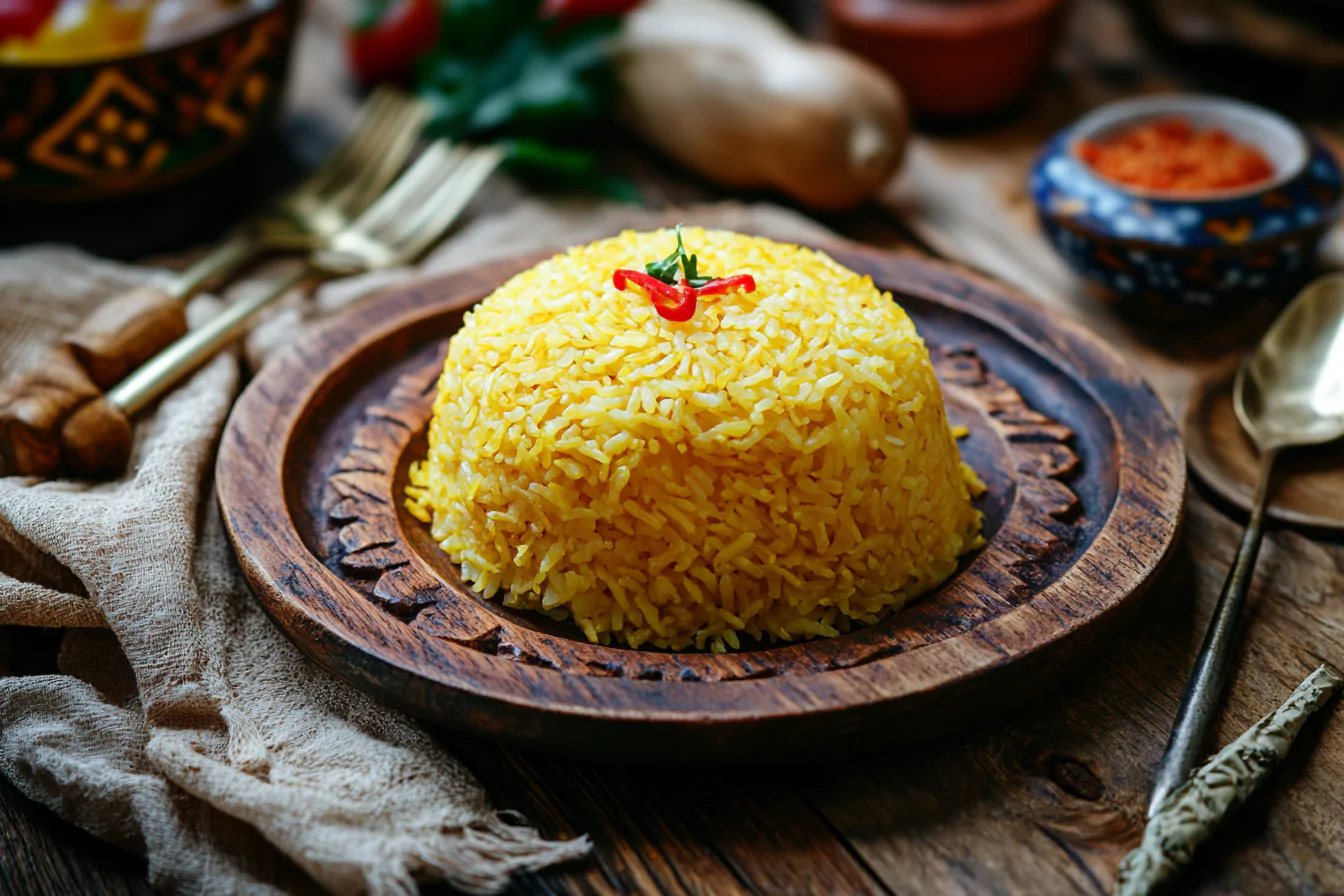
1181	254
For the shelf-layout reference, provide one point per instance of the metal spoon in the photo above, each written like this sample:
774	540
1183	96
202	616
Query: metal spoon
1289	393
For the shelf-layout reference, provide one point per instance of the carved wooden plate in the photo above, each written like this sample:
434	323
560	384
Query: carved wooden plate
1086	478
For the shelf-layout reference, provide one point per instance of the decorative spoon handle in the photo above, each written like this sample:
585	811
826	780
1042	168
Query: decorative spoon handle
1199	703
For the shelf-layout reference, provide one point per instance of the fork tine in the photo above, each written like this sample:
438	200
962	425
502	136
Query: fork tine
370	121
372	164
382	159
370	157
392	229
416	210
442	207
410	190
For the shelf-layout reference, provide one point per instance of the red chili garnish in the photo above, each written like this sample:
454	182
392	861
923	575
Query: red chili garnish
675	303
721	285
678	303
671	283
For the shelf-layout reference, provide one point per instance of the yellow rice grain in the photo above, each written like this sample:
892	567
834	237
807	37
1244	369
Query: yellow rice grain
781	465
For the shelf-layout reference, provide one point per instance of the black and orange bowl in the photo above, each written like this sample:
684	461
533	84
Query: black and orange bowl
115	126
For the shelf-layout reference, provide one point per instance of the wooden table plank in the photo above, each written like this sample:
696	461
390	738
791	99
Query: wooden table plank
40	854
676	830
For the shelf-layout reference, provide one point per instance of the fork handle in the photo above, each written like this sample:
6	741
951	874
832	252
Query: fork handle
1200	701
48	420
172	365
128	329
39	405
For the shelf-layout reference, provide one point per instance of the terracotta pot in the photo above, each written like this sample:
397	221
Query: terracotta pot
954	58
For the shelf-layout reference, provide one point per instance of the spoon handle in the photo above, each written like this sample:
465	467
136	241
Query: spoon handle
1199	703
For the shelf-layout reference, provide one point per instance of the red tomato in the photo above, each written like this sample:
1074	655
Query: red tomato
389	49
22	18
573	11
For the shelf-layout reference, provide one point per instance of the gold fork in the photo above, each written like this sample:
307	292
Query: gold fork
395	230
54	417
354	175
127	329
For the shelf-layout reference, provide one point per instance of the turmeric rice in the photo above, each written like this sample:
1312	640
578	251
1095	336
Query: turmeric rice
780	466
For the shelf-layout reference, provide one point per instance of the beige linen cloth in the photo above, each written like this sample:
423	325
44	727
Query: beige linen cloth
184	725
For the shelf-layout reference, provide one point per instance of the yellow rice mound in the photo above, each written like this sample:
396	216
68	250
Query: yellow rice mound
781	465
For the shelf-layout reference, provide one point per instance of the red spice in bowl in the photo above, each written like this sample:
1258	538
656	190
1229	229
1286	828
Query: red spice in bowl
1169	155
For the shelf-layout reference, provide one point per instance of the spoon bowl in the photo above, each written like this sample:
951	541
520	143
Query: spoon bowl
1290	392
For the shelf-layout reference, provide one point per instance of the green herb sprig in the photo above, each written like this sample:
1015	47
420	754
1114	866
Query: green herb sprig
665	269
503	73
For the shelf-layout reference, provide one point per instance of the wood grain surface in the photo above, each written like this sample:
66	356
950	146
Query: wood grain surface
39	853
1040	801
1083	506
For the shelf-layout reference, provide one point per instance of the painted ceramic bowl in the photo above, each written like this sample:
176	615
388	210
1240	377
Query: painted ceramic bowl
1180	254
113	123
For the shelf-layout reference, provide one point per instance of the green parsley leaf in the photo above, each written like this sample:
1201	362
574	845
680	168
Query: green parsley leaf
534	83
569	169
666	269
500	73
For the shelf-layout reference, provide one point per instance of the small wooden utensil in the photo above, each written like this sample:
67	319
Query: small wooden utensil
52	417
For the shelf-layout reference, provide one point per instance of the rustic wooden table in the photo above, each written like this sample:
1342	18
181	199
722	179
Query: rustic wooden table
1046	800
